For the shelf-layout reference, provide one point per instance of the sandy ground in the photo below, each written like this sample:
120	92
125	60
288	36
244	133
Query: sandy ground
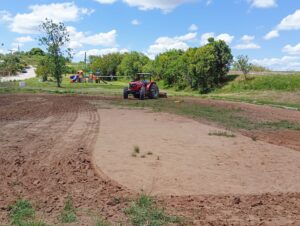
21	76
46	148
186	160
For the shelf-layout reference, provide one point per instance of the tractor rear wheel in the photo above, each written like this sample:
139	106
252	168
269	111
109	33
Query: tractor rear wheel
125	93
154	92
142	93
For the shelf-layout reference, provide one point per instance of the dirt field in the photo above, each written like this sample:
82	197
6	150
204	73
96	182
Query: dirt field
47	144
179	157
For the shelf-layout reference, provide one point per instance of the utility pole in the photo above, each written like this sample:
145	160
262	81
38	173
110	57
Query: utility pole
85	59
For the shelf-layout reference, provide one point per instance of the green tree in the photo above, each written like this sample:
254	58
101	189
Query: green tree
11	64
43	69
132	63
204	67
224	59
107	64
242	64
191	62
259	68
56	37
36	51
172	68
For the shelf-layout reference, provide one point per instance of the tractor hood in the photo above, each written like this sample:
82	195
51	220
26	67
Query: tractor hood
136	83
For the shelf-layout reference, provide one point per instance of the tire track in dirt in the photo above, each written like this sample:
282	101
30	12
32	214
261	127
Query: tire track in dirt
52	158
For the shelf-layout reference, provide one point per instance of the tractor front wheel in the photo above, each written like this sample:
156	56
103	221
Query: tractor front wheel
125	93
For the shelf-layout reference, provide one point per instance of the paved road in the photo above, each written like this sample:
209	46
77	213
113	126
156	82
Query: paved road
22	76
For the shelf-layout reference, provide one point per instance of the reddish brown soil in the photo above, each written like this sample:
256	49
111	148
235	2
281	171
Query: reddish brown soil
46	144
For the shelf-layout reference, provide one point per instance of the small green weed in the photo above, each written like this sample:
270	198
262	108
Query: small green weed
21	211
136	149
68	214
144	211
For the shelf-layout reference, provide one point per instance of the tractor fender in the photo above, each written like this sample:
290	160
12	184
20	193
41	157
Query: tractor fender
149	85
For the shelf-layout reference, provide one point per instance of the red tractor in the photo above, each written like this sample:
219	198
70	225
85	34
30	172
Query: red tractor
141	88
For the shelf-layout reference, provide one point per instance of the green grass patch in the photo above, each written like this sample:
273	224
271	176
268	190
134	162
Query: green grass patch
271	98
226	117
229	118
263	82
144	211
22	213
34	85
68	214
283	124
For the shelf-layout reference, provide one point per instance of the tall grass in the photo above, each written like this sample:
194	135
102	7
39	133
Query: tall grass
263	82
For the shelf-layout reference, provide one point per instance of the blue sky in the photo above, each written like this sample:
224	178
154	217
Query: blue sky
266	30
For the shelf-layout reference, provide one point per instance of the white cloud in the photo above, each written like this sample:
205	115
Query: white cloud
247	43
28	23
263	3
78	39
247	38
271	34
106	1
293	50
164	44
247	46
225	37
208	2
135	22
193	27
205	37
99	52
5	16
286	63
24	39
291	22
2	51
164	5
187	37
